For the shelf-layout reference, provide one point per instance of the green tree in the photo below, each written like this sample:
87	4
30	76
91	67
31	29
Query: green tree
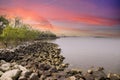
8	34
18	34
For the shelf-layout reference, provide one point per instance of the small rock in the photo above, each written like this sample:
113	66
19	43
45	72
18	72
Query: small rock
26	73
100	69
49	78
3	62
73	72
44	67
81	79
53	69
113	76
64	65
42	77
46	73
22	78
71	78
22	68
109	75
116	75
89	77
33	76
90	71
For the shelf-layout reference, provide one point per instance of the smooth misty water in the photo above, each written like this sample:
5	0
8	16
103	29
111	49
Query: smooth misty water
86	52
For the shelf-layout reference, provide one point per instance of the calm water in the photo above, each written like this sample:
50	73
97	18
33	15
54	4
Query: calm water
86	52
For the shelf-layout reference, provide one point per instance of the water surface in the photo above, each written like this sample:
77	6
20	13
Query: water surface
83	52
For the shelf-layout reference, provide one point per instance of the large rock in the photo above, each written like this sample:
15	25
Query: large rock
11	75
5	67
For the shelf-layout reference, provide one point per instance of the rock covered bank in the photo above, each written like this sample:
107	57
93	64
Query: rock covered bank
43	61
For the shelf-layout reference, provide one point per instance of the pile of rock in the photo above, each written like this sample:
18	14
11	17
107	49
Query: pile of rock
92	74
43	61
36	51
41	58
13	71
7	54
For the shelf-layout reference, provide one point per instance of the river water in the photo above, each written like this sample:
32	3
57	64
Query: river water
87	52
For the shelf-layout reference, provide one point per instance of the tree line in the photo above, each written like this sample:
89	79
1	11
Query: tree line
20	32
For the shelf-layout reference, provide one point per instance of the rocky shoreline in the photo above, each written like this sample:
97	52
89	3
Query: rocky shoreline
43	61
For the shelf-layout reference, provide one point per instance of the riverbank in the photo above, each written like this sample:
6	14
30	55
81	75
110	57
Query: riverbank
43	61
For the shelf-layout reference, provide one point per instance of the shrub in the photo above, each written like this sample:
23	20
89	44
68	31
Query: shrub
18	34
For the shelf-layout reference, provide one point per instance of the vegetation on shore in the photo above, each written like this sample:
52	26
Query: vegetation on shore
20	32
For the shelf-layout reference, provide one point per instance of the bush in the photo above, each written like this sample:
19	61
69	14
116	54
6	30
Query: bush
47	34
18	34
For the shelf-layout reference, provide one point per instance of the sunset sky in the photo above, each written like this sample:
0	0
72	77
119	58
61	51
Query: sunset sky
67	17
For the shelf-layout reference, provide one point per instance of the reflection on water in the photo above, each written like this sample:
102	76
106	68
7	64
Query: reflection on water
87	52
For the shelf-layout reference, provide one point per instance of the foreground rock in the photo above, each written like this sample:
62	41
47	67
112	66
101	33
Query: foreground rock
11	74
41	58
19	72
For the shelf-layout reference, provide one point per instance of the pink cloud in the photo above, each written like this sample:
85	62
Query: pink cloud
39	18
27	16
58	13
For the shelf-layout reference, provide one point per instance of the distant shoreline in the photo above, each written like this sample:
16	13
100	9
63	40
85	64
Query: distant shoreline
88	36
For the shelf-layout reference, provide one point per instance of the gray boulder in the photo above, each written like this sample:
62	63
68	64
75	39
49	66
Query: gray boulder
5	67
11	75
